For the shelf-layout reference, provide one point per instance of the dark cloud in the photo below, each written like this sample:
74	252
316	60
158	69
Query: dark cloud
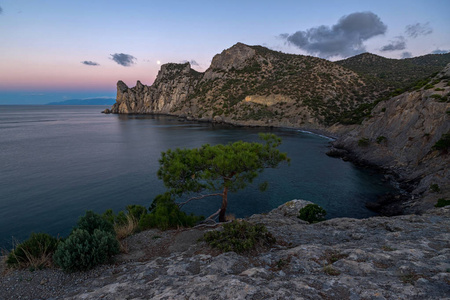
439	51
342	39
398	44
192	62
90	63
415	30
123	59
406	54
1	10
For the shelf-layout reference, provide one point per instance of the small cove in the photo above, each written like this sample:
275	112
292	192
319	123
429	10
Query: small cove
59	161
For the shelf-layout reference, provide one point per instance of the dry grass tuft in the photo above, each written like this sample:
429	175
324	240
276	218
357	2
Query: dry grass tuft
230	217
127	229
32	262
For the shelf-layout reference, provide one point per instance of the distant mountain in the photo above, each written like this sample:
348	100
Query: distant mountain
92	101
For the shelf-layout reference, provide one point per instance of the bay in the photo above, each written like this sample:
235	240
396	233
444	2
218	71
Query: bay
56	162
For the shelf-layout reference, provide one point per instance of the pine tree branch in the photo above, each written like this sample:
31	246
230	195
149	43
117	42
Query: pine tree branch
180	205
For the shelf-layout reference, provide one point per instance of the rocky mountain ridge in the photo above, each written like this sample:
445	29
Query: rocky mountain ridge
249	85
252	85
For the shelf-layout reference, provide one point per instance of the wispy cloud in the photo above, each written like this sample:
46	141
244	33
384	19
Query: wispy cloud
398	44
418	29
344	39
1	10
123	59
406	54
192	62
439	51
90	63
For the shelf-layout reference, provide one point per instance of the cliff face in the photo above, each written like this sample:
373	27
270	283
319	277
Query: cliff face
400	135
171	87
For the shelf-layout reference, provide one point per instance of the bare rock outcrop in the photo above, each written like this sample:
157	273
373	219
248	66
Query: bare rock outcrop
170	89
402	257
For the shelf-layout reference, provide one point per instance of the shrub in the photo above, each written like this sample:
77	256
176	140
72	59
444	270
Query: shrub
436	96
240	237
82	250
331	271
165	214
92	242
442	202
312	213
434	188
91	221
136	211
443	144
380	139
125	223
363	142
35	252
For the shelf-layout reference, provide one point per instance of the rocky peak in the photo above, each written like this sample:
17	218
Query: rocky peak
233	57
171	71
121	87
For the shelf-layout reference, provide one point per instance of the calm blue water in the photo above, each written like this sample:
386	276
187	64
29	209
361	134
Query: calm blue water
57	162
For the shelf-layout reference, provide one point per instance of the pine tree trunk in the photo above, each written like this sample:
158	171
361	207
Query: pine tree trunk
223	209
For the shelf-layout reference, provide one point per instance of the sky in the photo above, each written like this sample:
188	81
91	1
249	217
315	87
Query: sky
54	50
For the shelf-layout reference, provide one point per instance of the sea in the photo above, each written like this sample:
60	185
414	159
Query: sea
56	162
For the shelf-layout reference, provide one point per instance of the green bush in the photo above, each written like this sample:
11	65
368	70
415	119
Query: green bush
165	214
82	250
92	242
436	96
434	188
443	144
312	213
363	142
240	237
91	221
135	211
35	252
442	202
380	139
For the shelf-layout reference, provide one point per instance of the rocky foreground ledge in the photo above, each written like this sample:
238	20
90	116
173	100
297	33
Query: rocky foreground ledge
402	257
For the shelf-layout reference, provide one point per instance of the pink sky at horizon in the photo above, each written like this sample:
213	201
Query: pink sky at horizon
43	43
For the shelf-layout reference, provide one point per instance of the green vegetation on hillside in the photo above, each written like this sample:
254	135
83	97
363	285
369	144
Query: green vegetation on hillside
387	74
345	91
